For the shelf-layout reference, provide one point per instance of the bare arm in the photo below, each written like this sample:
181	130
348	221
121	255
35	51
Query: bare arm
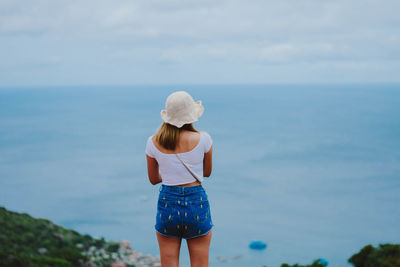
152	171
207	163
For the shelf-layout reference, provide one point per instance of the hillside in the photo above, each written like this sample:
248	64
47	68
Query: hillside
28	241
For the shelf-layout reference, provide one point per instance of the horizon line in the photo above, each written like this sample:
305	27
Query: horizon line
194	84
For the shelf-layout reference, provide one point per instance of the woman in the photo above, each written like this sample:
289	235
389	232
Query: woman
179	156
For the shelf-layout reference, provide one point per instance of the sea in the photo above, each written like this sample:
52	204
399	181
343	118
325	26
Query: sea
311	170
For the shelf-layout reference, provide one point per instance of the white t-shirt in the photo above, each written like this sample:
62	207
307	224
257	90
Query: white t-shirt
172	170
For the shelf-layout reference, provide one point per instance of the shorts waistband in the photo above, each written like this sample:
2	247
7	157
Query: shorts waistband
181	189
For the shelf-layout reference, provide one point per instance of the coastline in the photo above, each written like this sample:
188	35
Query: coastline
35	242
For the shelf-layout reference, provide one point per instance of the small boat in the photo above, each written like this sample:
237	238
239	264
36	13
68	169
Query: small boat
258	245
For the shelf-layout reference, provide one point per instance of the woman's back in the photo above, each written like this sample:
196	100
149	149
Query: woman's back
191	147
187	141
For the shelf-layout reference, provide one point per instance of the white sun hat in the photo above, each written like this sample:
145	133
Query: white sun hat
181	109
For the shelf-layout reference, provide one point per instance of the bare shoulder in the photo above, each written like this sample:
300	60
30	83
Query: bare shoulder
190	136
205	133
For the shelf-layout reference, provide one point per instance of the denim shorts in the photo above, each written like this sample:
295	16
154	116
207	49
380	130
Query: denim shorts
183	212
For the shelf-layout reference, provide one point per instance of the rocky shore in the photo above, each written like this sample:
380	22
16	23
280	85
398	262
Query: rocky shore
125	256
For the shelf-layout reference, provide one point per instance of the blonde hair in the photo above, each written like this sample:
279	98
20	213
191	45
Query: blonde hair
168	135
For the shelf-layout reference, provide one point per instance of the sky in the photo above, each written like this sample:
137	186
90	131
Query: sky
95	42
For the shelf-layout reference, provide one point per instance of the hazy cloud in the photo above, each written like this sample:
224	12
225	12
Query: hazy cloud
184	37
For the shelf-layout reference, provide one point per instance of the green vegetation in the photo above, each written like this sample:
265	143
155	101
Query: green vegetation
28	241
385	255
316	263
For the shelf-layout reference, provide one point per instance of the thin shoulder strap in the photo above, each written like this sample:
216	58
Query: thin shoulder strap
187	168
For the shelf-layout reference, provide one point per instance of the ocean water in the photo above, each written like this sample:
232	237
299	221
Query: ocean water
311	170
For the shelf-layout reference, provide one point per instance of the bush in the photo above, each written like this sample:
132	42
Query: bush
386	255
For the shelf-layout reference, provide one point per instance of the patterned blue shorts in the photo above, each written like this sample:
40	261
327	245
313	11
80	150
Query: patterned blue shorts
183	212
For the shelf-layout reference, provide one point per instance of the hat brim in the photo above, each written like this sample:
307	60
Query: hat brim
196	113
